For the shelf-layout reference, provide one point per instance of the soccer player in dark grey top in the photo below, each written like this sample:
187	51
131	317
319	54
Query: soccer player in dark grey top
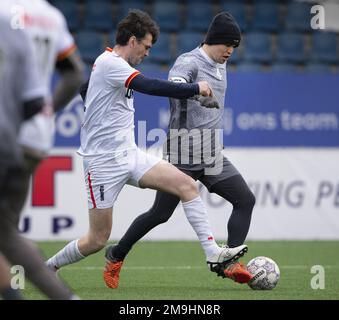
203	159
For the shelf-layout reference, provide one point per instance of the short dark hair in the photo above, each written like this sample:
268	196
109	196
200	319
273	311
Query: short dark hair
137	23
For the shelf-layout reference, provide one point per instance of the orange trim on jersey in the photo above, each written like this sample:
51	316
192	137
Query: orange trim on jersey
130	78
66	53
109	49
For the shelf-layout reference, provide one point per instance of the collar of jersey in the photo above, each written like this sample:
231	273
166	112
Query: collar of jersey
108	49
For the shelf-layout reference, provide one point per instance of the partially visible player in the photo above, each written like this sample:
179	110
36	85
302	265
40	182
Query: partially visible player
54	48
110	155
21	97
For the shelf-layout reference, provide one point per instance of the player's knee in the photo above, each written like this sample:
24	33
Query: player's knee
251	199
248	200
164	216
160	212
188	188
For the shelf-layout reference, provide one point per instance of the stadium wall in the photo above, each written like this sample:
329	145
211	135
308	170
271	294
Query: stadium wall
281	132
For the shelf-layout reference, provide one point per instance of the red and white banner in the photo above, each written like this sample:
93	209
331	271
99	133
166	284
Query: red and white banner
297	197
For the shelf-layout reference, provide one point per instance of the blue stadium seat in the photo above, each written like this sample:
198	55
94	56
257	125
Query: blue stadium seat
270	1
298	16
234	1
249	67
237	10
147	67
167	14
291	47
324	47
70	10
266	17
197	1
284	68
120	2
258	47
199	16
161	50
187	41
98	16
235	57
87	2
90	45
111	38
318	68
126	5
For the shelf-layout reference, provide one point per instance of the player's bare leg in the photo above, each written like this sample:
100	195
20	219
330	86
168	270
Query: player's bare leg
100	225
165	177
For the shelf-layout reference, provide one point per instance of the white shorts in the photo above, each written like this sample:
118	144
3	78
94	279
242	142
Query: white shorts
106	175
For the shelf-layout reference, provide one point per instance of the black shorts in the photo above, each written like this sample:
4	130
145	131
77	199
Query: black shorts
226	171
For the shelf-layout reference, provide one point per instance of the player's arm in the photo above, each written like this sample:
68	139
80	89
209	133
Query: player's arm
70	68
153	87
157	87
186	71
32	107
205	101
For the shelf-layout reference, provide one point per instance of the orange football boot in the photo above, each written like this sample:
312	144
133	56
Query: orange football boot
238	272
111	273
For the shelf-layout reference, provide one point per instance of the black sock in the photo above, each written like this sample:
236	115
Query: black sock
111	254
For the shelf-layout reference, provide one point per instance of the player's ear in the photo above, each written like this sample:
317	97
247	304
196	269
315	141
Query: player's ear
132	41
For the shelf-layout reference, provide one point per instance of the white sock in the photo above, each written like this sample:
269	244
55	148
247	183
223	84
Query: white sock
197	216
67	255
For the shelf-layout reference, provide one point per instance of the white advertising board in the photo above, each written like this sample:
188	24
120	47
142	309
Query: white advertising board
297	197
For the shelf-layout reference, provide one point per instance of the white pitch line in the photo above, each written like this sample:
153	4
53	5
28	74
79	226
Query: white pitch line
150	268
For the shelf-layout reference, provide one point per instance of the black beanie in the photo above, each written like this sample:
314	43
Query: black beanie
223	30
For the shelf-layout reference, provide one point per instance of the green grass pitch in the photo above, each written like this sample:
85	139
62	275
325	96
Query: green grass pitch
177	270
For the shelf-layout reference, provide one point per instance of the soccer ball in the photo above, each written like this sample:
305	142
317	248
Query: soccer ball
265	273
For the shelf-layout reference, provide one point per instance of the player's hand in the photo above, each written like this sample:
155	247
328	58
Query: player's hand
208	102
204	89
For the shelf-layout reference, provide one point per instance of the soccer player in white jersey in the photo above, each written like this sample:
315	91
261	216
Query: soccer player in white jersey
21	97
112	159
54	48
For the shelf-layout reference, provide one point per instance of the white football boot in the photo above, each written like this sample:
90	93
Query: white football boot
225	257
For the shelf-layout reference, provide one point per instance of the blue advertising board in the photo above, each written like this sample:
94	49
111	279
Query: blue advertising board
261	110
